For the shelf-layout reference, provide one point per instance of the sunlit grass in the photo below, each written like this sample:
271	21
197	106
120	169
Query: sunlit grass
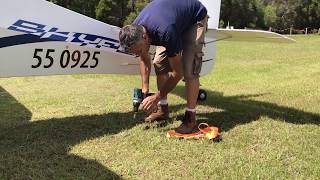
263	97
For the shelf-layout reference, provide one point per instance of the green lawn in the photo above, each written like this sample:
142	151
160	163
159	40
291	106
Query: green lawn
263	97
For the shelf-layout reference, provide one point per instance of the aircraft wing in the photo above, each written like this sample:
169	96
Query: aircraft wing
247	35
40	38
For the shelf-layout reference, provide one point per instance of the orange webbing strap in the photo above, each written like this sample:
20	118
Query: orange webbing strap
209	132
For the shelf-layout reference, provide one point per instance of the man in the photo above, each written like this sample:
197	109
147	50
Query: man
177	28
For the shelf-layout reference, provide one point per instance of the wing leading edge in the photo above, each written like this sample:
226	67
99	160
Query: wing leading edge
248	35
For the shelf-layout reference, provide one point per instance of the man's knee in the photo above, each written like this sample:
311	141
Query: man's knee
162	67
192	65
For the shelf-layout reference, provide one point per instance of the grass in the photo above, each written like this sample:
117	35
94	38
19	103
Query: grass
263	97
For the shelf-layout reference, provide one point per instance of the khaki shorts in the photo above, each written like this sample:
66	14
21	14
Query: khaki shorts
192	41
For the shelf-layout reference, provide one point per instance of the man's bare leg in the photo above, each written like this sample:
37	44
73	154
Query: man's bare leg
162	112
161	79
192	90
189	122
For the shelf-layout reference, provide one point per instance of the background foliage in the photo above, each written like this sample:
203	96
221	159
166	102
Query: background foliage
258	14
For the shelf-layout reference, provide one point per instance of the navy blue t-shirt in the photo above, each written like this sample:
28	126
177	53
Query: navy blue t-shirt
167	20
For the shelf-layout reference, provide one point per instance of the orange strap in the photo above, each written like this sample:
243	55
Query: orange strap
211	134
201	129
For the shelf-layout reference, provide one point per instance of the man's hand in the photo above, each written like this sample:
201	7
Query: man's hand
150	102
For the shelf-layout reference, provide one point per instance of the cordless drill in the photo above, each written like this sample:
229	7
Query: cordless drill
137	100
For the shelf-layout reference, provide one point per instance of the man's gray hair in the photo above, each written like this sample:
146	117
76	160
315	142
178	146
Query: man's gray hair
129	35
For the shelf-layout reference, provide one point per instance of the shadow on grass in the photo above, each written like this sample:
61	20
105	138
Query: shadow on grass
12	112
237	110
41	150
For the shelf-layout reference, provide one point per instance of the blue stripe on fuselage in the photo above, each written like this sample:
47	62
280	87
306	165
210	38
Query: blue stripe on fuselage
22	39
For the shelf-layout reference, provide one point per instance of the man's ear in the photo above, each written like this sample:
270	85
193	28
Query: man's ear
145	37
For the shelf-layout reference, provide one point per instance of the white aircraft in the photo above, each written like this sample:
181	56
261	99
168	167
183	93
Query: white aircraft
40	38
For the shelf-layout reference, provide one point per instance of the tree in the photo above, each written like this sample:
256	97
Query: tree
80	6
308	14
243	13
270	16
112	12
135	7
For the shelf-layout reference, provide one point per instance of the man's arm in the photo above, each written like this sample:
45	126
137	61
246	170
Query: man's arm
145	68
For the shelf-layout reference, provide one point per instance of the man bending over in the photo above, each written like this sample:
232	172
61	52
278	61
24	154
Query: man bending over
177	29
